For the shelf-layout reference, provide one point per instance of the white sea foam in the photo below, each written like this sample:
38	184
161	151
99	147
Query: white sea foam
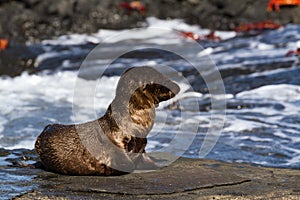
282	92
33	100
238	125
24	144
72	39
157	31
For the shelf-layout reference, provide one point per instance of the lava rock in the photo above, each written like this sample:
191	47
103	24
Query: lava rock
34	20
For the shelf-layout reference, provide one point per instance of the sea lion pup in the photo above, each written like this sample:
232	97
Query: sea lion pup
115	143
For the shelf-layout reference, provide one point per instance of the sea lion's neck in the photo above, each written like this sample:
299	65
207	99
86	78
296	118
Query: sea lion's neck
138	121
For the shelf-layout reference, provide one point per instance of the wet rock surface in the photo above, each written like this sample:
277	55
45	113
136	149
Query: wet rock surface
185	178
19	58
33	20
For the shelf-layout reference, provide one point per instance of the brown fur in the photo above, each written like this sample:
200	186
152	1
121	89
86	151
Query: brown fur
114	143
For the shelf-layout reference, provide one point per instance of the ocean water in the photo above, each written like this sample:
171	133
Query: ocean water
77	76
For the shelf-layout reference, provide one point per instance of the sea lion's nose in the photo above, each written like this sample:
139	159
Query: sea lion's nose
172	86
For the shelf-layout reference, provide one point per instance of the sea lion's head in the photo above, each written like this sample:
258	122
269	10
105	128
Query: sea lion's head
145	87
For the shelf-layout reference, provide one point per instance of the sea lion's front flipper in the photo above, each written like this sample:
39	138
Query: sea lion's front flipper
144	162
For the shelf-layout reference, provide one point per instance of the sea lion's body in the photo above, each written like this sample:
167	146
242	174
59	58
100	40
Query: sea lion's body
115	143
77	160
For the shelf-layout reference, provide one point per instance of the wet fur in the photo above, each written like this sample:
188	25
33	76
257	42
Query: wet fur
62	148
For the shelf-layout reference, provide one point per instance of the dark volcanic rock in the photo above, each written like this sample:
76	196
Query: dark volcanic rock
31	20
18	58
226	14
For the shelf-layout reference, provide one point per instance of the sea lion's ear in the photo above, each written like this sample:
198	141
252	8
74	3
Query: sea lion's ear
144	87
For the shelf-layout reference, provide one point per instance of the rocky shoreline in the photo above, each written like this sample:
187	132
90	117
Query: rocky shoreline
35	20
184	179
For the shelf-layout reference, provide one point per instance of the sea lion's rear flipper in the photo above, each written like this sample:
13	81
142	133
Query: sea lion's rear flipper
38	165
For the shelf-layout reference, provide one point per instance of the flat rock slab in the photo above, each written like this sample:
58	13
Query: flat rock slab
185	178
168	180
